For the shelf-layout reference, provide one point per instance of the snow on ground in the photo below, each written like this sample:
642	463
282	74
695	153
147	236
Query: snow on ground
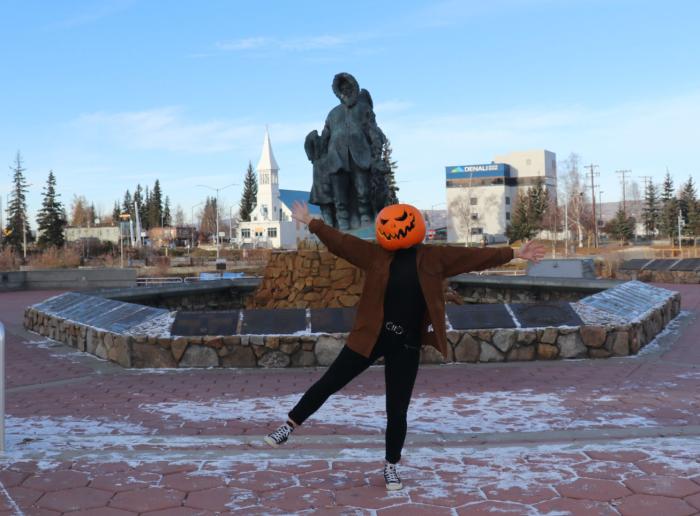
495	411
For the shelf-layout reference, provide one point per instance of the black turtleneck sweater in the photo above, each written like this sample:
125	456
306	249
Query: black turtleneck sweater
403	299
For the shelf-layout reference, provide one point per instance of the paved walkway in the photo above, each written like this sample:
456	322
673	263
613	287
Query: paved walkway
615	436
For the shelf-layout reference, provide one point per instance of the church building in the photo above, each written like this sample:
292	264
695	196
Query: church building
271	223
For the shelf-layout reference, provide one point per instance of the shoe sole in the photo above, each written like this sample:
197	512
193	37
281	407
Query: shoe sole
271	442
394	487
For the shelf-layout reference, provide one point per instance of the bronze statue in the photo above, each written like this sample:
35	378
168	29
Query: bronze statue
349	175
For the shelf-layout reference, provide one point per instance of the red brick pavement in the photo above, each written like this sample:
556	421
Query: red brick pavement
615	436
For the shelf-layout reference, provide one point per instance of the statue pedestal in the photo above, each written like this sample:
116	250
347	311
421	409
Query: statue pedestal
307	279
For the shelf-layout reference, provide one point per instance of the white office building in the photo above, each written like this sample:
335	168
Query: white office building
480	198
271	223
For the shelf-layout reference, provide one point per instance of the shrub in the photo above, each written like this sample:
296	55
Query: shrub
9	261
55	258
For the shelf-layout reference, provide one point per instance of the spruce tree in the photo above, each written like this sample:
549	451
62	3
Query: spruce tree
690	209
128	204
250	194
166	212
391	167
17	207
650	212
116	212
537	200
520	227
50	220
687	198
155	206
138	205
669	209
621	227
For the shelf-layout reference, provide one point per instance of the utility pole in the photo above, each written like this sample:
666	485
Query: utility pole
591	171
647	181
624	173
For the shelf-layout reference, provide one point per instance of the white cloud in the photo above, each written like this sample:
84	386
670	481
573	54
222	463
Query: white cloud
166	129
244	44
299	44
644	136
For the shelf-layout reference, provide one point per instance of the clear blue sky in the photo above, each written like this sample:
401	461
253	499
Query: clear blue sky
115	92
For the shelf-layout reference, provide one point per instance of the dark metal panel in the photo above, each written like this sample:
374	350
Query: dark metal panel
205	323
332	320
472	317
537	315
278	321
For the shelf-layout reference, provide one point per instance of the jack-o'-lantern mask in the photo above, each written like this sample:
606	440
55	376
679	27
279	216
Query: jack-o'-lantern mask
399	226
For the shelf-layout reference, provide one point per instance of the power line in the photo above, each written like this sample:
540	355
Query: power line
593	174
624	173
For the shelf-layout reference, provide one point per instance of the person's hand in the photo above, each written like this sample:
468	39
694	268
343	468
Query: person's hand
531	251
300	212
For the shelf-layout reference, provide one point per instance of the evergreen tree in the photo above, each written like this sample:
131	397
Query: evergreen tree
537	201
166	212
687	198
249	197
690	209
17	207
668	223
650	212
391	167
621	227
116	212
138	205
51	220
520	227
155	206
128	204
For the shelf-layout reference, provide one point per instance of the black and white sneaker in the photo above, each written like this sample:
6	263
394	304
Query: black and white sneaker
279	436
391	477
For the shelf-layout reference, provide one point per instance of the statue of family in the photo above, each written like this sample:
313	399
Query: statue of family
349	175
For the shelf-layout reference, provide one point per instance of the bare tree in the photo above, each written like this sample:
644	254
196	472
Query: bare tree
460	211
179	216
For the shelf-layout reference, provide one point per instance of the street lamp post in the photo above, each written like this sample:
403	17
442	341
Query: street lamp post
217	190
24	231
193	226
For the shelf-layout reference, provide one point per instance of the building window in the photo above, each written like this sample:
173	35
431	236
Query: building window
475	216
271	232
245	233
258	234
507	200
507	215
473	201
477	231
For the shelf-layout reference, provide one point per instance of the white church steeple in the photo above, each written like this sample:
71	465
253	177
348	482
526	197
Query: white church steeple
268	182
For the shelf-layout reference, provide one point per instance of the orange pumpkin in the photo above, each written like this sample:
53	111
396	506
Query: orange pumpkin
399	226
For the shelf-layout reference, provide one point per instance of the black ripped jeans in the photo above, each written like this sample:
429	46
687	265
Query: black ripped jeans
401	357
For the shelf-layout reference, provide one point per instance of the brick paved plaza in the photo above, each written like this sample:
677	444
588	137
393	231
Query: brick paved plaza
614	436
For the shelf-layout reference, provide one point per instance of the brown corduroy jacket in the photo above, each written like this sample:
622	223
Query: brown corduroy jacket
434	264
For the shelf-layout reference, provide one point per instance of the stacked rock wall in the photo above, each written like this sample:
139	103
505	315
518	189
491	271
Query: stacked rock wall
494	345
308	279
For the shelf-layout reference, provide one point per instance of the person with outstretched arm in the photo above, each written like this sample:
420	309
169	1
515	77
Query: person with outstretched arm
401	308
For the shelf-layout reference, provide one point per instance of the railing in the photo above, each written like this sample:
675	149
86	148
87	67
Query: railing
503	272
144	282
2	388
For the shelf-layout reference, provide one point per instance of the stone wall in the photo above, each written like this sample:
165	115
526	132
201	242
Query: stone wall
650	276
308	279
504	345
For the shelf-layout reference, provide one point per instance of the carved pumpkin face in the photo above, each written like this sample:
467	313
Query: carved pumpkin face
399	226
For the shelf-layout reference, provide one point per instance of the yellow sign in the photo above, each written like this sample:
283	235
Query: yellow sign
7	232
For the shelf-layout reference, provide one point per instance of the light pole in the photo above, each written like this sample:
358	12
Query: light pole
217	190
24	230
193	226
